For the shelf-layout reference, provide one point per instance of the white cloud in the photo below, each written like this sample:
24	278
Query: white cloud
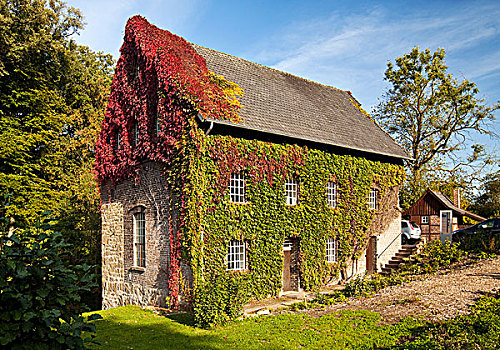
351	52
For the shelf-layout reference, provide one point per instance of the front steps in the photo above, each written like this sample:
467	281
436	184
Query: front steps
406	251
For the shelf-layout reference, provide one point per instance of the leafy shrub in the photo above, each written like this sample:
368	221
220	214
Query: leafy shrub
363	286
481	241
478	330
434	255
218	301
40	304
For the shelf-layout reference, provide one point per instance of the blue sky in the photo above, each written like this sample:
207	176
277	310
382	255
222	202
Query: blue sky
346	44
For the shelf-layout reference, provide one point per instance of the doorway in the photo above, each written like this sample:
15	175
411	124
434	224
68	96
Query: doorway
290	265
445	225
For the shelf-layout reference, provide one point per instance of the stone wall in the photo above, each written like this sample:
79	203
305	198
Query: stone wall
124	283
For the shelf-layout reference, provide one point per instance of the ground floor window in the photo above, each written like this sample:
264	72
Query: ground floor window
236	255
139	240
331	250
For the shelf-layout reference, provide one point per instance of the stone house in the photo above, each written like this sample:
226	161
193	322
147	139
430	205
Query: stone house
223	180
438	215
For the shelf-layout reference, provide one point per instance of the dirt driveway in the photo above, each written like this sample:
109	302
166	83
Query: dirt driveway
440	296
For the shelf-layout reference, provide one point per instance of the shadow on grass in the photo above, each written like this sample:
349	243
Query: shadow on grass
185	318
133	328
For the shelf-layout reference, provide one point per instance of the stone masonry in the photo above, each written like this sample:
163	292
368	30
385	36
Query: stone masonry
123	283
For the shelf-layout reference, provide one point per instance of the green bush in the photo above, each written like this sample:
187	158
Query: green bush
434	255
40	306
219	301
482	241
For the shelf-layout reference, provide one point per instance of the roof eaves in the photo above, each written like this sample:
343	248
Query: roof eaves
275	132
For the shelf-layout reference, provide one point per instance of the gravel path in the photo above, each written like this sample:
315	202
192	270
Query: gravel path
440	296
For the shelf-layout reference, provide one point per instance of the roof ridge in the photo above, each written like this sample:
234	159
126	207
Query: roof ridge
274	69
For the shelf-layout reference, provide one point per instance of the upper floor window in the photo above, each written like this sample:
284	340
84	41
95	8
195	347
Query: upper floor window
331	194
139	239
236	255
157	124
425	219
237	188
372	198
331	250
291	191
118	140
136	133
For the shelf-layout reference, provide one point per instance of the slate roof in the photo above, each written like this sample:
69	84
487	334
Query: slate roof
448	203
283	104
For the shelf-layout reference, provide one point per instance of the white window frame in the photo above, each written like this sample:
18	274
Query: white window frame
331	250
139	239
118	139
331	194
291	191
236	255
157	125
372	198
425	219
237	188
287	244
136	133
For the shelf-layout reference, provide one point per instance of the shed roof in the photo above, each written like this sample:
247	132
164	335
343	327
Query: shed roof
448	204
283	104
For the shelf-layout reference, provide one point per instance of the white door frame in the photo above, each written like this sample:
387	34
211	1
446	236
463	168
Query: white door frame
444	237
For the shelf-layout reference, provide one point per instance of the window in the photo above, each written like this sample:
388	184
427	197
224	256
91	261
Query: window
136	133
237	188
118	140
236	255
425	219
287	244
331	194
331	250
139	240
157	123
372	199
291	191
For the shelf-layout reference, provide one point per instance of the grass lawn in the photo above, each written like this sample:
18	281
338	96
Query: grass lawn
130	327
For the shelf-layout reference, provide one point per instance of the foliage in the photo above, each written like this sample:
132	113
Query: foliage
487	203
483	241
52	98
434	255
131	327
40	304
431	115
159	75
478	330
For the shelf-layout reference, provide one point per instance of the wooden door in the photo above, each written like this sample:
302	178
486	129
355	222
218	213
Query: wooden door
287	285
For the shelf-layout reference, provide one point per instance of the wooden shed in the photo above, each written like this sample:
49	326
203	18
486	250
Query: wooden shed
438	215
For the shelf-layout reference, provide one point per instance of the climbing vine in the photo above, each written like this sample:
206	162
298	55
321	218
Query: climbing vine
161	80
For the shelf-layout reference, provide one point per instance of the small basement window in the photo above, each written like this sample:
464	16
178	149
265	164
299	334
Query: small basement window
236	255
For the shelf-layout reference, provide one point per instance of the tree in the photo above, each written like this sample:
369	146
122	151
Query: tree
53	95
487	203
52	99
432	115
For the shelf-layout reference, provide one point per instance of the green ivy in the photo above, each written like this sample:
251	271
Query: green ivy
211	220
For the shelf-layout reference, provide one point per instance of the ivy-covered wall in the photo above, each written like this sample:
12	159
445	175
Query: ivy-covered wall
265	220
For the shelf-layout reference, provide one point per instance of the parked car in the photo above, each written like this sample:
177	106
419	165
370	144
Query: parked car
490	225
409	232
